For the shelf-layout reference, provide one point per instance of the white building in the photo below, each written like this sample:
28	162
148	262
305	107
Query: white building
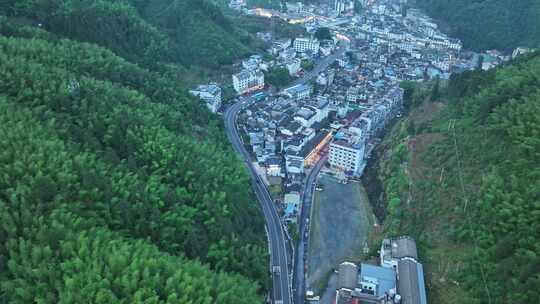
306	117
352	94
341	6
298	92
247	81
280	45
321	106
348	155
520	51
443	65
273	166
293	66
306	44
294	164
210	94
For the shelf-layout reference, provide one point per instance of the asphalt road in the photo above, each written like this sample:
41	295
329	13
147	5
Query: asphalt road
279	256
299	279
320	66
281	287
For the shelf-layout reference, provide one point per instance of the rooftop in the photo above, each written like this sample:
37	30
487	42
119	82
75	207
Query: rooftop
310	145
386	277
297	88
411	284
246	74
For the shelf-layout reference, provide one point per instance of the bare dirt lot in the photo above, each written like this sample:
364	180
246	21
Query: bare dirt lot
341	219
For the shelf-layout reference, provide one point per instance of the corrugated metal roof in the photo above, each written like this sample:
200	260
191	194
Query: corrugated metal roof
411	285
347	275
404	247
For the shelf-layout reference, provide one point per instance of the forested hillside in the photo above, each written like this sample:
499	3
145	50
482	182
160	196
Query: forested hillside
488	24
115	185
462	175
147	32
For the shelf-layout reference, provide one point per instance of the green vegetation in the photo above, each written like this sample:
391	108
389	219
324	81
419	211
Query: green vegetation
272	4
463	178
396	188
292	227
116	186
488	24
277	27
276	190
307	65
358	8
278	77
145	32
323	33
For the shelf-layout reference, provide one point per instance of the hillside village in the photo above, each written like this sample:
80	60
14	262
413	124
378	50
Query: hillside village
338	113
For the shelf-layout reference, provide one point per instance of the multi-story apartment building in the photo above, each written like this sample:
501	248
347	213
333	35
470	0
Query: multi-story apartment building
248	81
306	44
348	155
341	6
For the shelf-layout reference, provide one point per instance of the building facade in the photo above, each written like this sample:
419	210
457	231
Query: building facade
347	155
298	92
248	81
306	44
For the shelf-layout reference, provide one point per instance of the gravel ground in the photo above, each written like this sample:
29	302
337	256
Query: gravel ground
340	225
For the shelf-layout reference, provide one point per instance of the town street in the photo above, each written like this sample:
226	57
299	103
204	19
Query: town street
303	243
279	257
321	66
286	130
278	242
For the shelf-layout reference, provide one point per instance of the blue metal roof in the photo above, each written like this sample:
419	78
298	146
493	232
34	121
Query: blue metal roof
298	88
291	208
421	283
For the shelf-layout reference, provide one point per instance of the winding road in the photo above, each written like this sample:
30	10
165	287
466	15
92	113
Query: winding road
279	256
280	261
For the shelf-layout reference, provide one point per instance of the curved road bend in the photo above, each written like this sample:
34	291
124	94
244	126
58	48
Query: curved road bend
278	253
303	244
279	256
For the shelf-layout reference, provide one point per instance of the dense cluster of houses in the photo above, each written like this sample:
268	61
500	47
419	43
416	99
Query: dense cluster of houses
398	279
288	125
406	46
343	111
351	145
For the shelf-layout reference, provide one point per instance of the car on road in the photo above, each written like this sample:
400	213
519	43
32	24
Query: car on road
276	269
